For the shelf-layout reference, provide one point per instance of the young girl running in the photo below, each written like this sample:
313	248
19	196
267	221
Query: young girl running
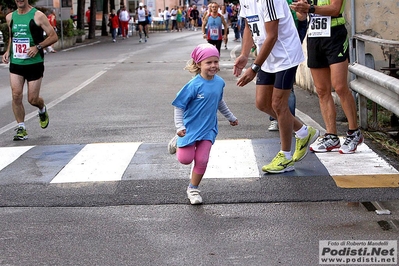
195	114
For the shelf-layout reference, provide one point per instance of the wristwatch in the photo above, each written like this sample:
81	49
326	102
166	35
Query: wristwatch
311	9
255	68
39	47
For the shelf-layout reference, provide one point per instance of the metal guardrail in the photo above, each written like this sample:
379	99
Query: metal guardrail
371	84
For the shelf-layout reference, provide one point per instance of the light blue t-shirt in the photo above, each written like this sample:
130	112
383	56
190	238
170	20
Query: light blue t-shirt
199	99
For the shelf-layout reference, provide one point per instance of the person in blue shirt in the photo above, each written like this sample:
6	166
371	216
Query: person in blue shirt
195	115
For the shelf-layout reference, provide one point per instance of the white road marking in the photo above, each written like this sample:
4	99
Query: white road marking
98	162
56	101
363	162
10	154
228	159
232	159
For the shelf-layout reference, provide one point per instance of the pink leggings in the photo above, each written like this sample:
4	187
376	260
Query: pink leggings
199	152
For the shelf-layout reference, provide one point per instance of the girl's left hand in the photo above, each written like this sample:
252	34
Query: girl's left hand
235	123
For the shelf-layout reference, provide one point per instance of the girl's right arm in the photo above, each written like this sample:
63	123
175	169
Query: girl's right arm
180	128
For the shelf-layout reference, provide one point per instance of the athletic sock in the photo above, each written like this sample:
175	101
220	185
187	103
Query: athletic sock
302	132
192	186
287	154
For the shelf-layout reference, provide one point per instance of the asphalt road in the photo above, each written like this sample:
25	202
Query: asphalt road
104	92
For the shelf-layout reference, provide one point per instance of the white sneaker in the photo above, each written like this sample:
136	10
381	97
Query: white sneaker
194	196
351	142
326	143
172	145
140	40
273	126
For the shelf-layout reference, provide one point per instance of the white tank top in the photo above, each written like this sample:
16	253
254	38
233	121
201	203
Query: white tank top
141	15
226	16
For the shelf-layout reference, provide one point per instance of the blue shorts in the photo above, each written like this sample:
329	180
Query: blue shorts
280	80
29	72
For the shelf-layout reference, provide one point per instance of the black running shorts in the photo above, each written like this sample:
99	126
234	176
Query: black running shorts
29	72
325	51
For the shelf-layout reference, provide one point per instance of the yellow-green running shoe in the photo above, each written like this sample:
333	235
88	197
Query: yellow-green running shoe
279	164
302	145
44	119
21	134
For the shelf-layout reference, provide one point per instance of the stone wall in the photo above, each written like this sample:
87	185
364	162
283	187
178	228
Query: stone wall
66	42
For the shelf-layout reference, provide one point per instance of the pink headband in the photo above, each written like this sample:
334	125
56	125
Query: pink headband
204	51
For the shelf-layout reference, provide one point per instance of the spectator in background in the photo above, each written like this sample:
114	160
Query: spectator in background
194	16
124	18
229	9
186	20
166	17
87	15
160	14
114	24
179	18
173	17
120	25
235	25
53	22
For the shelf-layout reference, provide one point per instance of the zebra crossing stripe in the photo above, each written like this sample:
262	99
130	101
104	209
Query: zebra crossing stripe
232	159
10	154
363	169
237	158
98	162
364	160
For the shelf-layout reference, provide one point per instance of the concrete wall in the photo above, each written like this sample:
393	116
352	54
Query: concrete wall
377	18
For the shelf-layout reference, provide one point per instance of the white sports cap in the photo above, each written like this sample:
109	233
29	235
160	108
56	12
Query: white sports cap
141	4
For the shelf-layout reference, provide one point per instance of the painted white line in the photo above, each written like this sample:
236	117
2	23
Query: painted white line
10	154
98	162
232	159
56	101
363	162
